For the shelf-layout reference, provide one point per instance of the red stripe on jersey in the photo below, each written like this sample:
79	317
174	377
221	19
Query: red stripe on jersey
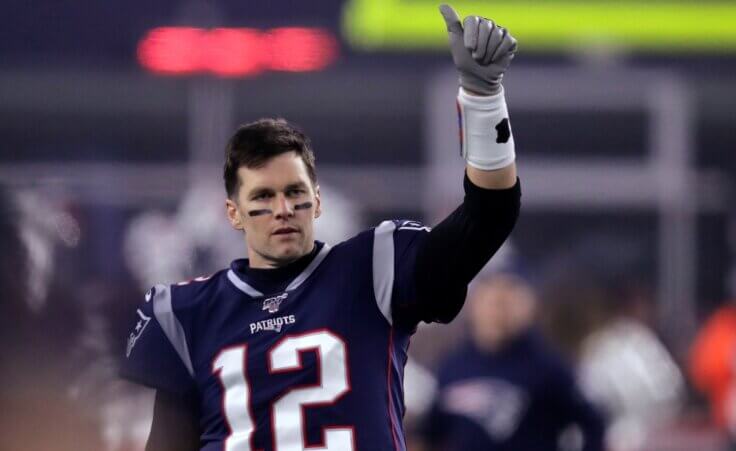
388	386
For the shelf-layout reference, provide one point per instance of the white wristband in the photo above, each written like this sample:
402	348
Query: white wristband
486	141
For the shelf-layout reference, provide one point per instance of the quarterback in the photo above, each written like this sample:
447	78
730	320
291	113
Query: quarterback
302	345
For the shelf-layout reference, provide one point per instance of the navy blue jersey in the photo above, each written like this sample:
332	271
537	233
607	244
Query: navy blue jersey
314	361
520	398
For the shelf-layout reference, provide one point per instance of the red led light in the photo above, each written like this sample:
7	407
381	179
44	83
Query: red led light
171	50
232	52
300	49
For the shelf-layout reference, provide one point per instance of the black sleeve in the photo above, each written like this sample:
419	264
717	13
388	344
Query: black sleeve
457	249
175	424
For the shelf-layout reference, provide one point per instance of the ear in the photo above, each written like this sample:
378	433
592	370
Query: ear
233	214
317	202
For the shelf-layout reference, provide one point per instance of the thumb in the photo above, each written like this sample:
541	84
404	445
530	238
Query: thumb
451	19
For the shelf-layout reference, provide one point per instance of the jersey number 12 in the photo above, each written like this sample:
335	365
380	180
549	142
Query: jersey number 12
287	418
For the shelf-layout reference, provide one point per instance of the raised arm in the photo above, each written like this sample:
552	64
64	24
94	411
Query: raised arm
456	249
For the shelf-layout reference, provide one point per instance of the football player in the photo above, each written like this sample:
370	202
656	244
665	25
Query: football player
302	345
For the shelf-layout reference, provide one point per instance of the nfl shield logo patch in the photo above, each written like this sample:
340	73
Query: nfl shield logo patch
272	304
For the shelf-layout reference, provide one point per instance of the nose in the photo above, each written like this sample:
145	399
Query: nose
284	208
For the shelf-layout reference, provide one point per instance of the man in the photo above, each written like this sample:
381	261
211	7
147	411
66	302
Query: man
505	389
302	346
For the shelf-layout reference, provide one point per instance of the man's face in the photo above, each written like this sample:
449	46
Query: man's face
276	206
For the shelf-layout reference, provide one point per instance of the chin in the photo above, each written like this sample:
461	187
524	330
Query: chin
291	252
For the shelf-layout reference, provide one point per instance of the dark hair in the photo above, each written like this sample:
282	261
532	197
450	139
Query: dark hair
254	144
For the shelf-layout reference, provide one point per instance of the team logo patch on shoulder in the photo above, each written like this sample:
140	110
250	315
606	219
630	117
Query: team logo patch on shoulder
272	304
135	334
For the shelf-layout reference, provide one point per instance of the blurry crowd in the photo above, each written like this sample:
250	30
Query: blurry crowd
563	356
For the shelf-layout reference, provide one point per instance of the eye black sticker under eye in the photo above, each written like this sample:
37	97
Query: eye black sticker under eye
266	211
263	211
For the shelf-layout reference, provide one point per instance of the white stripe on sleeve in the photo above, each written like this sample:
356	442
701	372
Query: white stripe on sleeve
383	266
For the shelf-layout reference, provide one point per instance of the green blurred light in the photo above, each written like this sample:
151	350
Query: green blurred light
550	25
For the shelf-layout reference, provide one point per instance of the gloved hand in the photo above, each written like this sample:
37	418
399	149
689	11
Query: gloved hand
481	50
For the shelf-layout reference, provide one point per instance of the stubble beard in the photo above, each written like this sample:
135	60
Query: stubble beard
273	259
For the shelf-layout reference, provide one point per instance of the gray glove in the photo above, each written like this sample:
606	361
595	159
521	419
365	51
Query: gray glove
481	50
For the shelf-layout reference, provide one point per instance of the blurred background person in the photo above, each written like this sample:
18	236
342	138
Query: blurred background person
505	388
598	306
712	366
39	327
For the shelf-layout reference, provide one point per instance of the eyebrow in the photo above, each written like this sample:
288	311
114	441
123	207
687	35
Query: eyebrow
298	185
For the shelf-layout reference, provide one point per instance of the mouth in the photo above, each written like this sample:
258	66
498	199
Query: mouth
285	231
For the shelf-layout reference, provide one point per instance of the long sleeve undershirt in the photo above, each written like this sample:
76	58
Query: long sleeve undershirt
457	249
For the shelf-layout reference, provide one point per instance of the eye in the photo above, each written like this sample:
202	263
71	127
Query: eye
261	196
294	192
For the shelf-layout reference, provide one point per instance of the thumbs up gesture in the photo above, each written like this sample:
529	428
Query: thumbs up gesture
481	50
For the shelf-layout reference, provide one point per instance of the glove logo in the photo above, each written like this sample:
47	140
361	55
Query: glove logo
503	131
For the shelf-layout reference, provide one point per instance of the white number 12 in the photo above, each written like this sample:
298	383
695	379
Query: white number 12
287	419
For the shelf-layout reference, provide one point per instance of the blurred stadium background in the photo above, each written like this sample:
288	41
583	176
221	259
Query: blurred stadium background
113	119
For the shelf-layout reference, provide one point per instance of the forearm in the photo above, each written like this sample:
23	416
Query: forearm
503	178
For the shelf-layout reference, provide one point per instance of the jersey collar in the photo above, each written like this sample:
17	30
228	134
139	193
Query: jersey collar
238	281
